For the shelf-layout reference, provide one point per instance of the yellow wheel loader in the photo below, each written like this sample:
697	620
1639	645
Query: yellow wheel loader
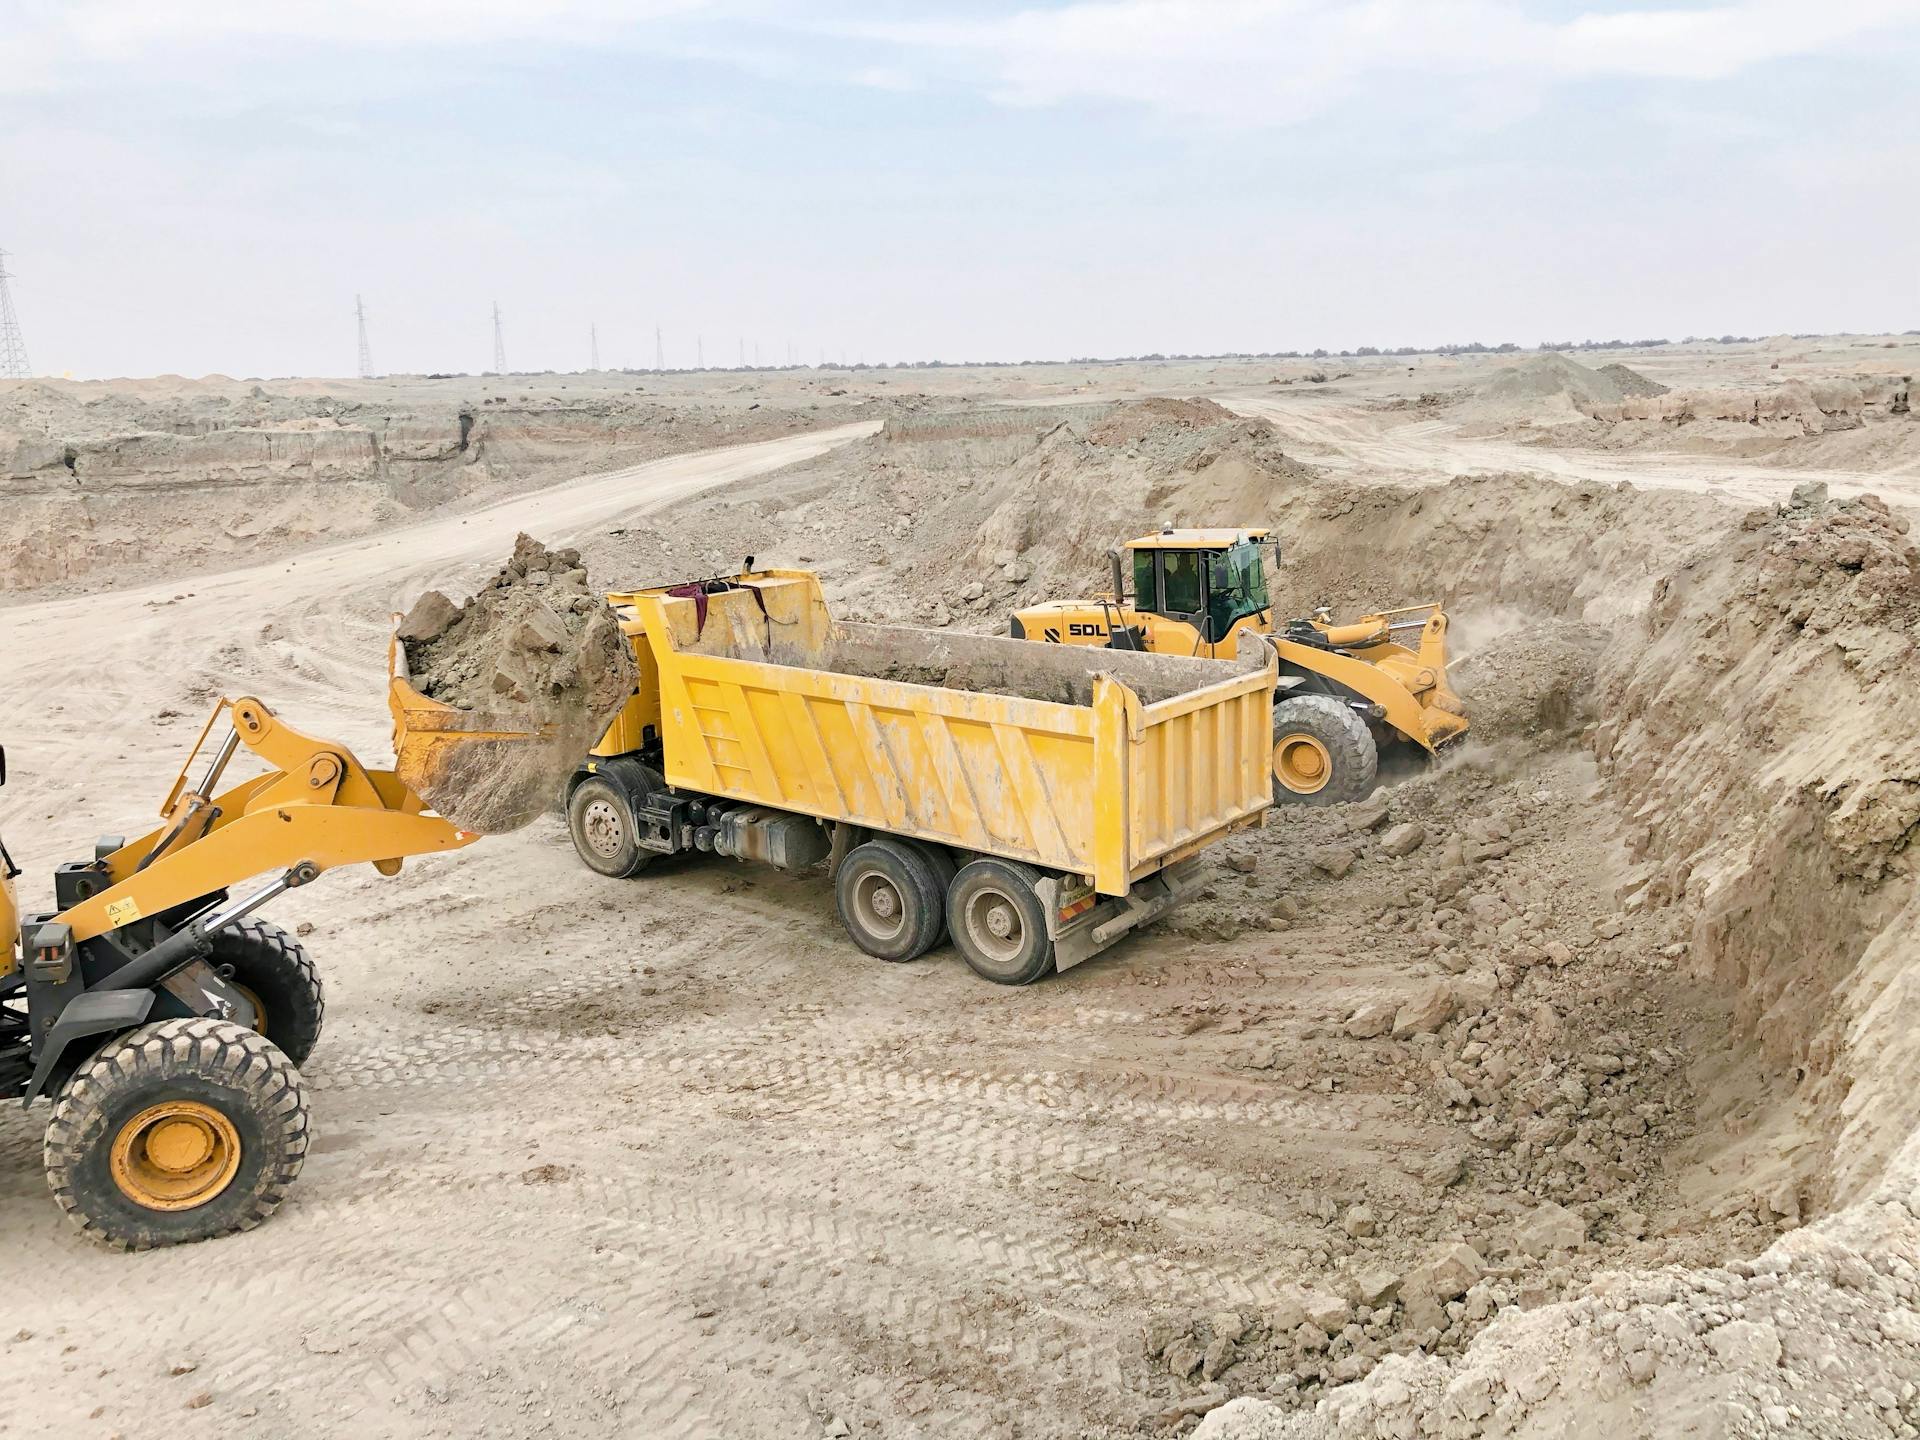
1344	690
162	1018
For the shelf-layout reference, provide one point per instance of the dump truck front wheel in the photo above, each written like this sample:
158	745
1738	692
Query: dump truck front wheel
1323	753
891	899
998	922
177	1131
273	970
600	819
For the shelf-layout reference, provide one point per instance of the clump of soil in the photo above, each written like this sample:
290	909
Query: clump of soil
535	652
1534	683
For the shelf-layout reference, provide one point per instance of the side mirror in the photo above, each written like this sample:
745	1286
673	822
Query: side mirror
1278	559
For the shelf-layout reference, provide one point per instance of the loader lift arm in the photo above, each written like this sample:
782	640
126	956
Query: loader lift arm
142	912
316	809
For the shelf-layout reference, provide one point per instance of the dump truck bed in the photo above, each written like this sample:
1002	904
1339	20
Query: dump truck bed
1103	764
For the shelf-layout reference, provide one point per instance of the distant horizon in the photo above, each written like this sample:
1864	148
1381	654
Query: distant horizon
1364	352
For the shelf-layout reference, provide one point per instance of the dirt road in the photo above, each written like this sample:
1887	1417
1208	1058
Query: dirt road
1352	438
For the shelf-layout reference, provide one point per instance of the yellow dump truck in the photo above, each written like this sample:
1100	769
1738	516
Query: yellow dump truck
1034	802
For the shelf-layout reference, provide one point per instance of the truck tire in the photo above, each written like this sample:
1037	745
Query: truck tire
998	922
600	820
944	870
890	899
177	1131
274	971
1323	753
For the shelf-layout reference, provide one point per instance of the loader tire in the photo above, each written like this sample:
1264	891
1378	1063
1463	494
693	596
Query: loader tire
999	925
600	820
274	971
1323	753
890	899
177	1131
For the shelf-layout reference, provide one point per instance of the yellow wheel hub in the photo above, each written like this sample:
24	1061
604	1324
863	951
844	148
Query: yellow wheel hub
175	1155
259	1010
1302	764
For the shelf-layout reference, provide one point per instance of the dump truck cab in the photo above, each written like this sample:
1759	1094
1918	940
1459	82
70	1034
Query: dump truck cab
1345	690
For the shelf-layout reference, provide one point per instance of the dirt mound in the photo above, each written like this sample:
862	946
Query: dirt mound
961	518
1549	388
1630	382
1592	550
1134	421
538	651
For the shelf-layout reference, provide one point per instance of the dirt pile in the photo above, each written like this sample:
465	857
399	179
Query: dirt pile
955	519
1533	682
1134	422
1630	382
535	651
1592	550
1543	388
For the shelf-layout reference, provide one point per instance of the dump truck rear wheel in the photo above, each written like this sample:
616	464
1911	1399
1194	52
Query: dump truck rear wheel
177	1131
1323	753
944	870
600	819
998	922
890	899
274	972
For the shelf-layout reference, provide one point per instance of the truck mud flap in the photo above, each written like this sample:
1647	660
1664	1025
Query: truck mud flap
1087	934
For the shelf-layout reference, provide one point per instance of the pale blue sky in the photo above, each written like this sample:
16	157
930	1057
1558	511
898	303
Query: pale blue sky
203	185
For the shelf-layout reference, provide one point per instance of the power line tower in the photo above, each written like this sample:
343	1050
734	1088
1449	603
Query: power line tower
659	351
366	352
14	364
499	343
594	332
699	352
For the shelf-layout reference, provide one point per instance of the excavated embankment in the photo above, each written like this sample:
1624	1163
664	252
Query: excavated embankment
1755	732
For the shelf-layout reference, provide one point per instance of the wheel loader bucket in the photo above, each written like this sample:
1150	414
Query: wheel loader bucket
485	772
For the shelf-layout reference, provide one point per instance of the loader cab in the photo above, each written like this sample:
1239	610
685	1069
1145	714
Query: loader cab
1211	580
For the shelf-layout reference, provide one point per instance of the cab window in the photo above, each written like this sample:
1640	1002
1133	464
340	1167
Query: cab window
1146	594
1236	588
1183	588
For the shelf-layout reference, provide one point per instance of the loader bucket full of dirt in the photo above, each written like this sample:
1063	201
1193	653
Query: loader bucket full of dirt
495	701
